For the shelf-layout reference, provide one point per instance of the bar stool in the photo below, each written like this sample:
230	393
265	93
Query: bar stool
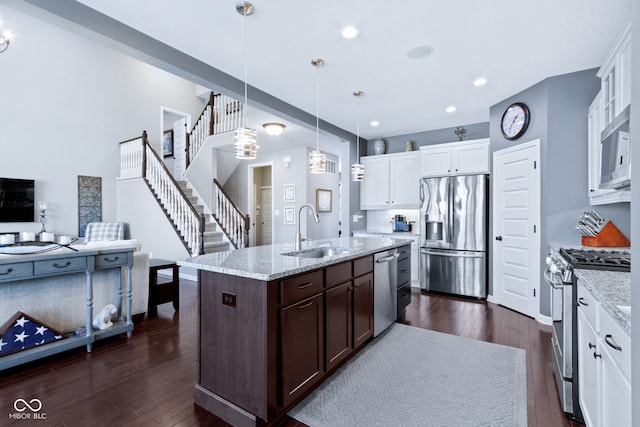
160	293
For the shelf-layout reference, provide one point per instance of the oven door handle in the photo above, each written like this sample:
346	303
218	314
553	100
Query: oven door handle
549	280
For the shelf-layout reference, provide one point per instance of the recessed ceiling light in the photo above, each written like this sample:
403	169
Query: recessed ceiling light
350	32
450	109
420	52
480	81
375	123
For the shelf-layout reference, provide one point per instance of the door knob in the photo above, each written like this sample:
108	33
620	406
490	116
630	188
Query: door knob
499	238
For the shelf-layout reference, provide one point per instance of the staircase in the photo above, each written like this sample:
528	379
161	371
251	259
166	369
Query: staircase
197	229
212	239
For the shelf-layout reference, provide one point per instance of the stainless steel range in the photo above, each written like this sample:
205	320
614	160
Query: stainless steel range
559	275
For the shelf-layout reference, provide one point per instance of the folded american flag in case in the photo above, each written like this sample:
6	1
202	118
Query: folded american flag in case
22	332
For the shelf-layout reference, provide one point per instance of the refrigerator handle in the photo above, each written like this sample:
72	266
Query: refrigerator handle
454	255
450	213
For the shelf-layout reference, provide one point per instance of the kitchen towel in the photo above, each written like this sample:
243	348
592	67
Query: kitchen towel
415	377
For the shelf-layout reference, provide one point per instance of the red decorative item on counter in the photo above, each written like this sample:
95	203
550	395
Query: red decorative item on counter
609	236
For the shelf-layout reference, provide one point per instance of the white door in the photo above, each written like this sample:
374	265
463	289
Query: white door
266	203
179	147
516	219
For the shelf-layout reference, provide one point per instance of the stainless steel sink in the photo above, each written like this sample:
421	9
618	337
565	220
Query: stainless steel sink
321	252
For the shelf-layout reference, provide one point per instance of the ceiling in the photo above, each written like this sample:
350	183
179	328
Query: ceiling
512	43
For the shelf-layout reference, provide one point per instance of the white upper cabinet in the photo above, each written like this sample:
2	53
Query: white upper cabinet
455	158
614	96
615	77
391	181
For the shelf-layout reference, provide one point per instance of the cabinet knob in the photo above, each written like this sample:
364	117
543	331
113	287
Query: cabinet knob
499	238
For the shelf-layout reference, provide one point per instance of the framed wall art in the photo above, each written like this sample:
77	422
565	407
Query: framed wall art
167	143
289	215
289	192
323	200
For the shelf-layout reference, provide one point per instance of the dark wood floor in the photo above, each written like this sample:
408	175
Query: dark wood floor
148	380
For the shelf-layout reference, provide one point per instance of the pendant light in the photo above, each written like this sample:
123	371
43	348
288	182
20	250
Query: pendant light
357	169
317	160
244	138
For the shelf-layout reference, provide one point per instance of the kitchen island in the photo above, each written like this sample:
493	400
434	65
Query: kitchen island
274	322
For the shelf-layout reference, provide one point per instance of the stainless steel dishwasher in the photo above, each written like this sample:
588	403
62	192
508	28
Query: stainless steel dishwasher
385	290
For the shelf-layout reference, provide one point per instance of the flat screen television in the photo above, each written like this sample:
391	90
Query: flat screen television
16	200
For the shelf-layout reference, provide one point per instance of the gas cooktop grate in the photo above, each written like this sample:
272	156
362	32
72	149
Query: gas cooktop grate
594	259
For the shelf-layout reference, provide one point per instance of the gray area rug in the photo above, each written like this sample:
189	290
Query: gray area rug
415	377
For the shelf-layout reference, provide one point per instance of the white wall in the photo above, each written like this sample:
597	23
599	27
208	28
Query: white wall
66	104
328	225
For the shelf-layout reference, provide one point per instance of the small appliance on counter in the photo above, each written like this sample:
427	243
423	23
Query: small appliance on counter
400	223
599	231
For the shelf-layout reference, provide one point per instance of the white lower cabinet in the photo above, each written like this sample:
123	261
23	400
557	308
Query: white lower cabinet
588	371
616	394
604	365
616	372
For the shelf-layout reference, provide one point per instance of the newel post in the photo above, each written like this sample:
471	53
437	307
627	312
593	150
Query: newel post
212	98
144	153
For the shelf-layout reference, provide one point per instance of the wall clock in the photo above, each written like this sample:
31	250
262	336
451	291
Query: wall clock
515	120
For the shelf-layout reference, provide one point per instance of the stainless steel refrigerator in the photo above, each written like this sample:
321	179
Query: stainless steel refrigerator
453	234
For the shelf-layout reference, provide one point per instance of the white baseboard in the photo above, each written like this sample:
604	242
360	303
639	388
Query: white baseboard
490	298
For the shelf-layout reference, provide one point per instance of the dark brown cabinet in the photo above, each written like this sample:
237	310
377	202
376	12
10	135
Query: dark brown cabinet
338	303
302	352
348	309
404	280
362	309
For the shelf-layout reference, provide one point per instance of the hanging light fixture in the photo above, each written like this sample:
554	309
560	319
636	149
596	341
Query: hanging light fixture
317	159
244	138
357	169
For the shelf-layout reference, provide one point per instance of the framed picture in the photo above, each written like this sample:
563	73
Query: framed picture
289	192
167	143
289	214
323	200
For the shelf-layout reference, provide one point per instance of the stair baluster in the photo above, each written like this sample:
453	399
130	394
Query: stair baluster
140	160
232	221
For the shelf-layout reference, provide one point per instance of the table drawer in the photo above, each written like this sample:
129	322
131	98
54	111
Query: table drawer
362	266
16	271
338	274
60	265
112	260
300	287
617	342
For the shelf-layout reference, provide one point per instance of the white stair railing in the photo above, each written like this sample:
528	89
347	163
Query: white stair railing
231	220
221	114
139	160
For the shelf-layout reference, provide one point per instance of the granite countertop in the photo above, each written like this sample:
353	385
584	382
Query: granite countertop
267	262
610	288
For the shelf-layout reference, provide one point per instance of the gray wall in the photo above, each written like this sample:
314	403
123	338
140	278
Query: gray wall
559	107
396	144
306	185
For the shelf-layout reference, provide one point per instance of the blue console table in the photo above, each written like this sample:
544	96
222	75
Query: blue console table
31	266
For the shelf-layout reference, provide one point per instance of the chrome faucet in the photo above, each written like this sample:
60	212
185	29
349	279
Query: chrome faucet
299	234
